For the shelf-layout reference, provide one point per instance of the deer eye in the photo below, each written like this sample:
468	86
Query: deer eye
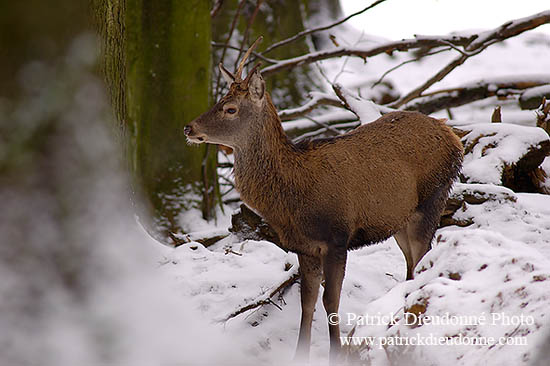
231	110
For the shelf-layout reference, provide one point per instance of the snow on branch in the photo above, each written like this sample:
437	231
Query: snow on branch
265	299
543	115
317	99
364	109
480	43
455	97
472	44
364	52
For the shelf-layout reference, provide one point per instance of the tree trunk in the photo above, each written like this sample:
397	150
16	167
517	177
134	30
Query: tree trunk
157	63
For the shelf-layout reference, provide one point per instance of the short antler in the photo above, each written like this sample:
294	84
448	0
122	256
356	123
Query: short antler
238	73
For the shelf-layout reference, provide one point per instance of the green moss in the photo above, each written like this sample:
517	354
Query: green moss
168	58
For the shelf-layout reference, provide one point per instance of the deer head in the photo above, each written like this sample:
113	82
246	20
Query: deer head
235	116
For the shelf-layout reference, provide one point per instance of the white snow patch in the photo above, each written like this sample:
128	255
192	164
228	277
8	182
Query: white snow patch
497	145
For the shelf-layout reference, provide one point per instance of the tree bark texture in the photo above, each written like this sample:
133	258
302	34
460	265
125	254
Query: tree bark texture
157	59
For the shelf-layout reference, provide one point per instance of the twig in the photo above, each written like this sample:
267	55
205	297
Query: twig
338	90
265	300
216	8
231	30
256	54
311	31
206	202
225	165
247	31
407	62
316	101
324	125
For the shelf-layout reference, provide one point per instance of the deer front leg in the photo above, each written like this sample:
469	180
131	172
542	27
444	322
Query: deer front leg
334	267
310	273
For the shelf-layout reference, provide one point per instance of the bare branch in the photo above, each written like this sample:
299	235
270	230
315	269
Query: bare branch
264	300
318	99
314	30
513	28
434	79
231	30
482	41
338	90
206	240
216	8
407	62
364	52
256	54
326	126
247	30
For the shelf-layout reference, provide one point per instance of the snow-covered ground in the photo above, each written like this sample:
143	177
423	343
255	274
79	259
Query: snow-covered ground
495	271
148	304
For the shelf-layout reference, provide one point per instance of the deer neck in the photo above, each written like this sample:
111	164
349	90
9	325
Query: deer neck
264	162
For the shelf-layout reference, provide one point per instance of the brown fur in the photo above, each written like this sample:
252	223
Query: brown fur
389	177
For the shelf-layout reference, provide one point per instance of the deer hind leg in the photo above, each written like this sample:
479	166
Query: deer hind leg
416	237
402	240
334	267
310	273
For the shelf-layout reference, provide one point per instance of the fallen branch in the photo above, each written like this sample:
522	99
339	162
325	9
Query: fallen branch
471	92
543	115
205	238
265	299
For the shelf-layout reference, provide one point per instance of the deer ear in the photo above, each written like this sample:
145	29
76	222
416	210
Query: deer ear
256	86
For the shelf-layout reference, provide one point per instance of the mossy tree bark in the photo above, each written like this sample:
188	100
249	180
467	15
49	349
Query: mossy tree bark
157	59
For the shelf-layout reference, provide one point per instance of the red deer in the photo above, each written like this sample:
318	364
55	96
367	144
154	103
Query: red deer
390	177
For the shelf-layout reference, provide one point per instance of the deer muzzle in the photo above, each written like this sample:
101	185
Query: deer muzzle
193	135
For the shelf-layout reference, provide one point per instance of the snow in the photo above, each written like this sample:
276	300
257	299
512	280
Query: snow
158	305
366	110
503	274
536	91
500	264
496	145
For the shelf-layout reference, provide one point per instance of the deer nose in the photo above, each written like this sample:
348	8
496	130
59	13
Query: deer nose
187	130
